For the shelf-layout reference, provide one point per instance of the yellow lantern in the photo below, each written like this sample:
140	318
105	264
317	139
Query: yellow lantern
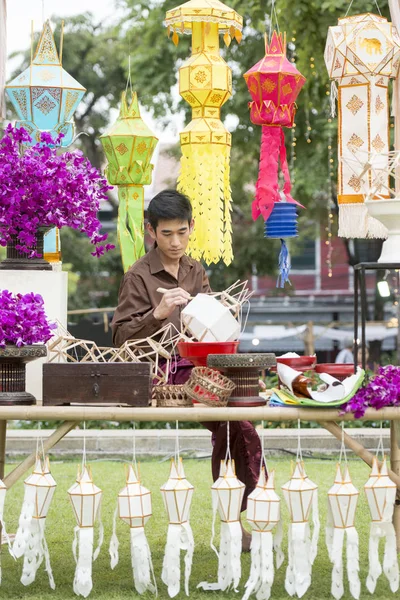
177	495
205	82
30	541
85	497
227	495
134	508
264	514
381	491
301	497
342	504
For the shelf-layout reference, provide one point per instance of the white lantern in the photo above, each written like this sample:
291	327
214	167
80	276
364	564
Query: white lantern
264	514
85	497
301	498
134	508
30	541
3	534
381	491
208	320
177	495
227	495
342	504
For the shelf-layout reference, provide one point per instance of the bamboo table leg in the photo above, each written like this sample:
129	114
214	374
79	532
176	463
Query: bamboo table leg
395	464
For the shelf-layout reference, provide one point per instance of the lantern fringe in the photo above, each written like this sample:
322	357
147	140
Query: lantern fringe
333	98
130	225
4	535
30	541
204	178
390	564
262	566
179	537
335	542
82	549
356	222
301	553
142	565
229	566
284	266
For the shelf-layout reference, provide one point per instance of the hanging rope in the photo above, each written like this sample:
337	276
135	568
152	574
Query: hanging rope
40	439
299	455
380	448
272	15
177	443
351	4
84	446
134	448
343	450
228	442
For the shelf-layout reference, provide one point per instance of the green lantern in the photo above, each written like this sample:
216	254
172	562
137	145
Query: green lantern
129	145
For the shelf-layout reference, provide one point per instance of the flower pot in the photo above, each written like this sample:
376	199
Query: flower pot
12	373
17	260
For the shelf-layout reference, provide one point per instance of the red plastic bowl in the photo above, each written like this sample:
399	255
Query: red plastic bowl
299	363
338	370
197	352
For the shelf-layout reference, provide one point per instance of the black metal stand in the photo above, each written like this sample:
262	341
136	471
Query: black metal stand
360	291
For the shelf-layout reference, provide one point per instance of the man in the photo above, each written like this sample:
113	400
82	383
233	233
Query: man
142	311
346	356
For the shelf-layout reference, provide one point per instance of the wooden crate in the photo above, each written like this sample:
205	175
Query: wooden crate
97	383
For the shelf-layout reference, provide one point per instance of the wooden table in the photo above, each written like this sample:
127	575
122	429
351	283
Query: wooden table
72	415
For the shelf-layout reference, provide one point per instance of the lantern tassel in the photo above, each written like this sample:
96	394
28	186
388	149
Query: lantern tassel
353	562
130	225
114	543
284	266
142	566
298	572
179	537
356	222
84	557
229	566
390	564
278	538
262	566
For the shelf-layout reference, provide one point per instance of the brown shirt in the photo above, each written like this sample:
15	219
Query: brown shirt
138	296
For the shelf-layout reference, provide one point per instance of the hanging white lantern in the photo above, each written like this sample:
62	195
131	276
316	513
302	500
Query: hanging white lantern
264	514
3	534
134	508
301	498
342	504
381	496
85	497
177	495
30	541
227	495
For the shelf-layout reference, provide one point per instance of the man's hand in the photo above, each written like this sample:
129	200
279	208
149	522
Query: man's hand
170	300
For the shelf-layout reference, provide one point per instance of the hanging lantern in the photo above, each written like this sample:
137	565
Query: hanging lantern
301	497
134	508
342	504
177	495
362	53
263	514
129	145
85	497
205	82
227	495
274	84
30	541
380	491
3	534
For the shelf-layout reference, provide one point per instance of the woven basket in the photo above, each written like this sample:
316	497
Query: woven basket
171	396
209	387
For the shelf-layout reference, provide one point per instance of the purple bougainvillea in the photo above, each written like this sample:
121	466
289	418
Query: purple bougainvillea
40	187
382	390
23	320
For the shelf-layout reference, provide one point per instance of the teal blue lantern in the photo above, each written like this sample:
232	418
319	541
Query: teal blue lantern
45	96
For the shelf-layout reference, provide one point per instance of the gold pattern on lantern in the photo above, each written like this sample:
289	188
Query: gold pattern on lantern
355	183
201	76
135	196
338	64
268	85
20	97
215	98
354	80
379	105
354	143
46	48
380	81
121	149
355	104
142	147
46	75
69	103
287	89
377	143
45	105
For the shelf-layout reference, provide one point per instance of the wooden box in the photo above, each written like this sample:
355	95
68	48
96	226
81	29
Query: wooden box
97	383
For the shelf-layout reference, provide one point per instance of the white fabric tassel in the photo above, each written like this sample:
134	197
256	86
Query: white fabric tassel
114	543
353	562
390	563
5	535
316	528
356	222
142	566
229	565
278	537
42	525
35	551
25	521
83	574
298	572
336	556
333	98
179	537
262	566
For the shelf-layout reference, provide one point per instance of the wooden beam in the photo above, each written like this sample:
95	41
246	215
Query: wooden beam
48	443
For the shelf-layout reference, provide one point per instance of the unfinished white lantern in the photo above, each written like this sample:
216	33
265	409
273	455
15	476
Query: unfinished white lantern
264	515
134	508
342	504
30	541
227	495
85	497
3	534
380	491
208	320
177	495
301	497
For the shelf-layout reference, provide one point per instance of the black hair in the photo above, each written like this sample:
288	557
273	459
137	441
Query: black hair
169	205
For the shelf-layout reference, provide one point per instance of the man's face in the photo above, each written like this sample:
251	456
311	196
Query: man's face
172	237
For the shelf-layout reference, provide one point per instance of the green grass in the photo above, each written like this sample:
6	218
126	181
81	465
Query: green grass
118	584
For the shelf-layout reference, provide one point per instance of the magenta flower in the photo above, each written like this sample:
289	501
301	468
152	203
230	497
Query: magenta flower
23	320
382	390
38	186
